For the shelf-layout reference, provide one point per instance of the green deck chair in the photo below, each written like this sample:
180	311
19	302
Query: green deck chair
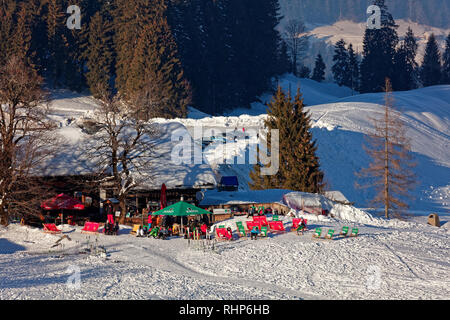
354	232
241	229
330	234
344	231
264	231
317	233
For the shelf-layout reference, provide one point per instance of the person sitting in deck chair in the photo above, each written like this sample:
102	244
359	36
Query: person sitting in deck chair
254	233
162	233
301	227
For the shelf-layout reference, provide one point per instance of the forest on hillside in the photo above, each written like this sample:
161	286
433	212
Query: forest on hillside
173	53
429	12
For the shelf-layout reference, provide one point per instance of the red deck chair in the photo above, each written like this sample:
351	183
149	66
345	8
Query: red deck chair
276	226
51	228
90	227
222	234
262	220
251	224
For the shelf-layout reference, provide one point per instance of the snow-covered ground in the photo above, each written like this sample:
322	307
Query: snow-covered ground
388	260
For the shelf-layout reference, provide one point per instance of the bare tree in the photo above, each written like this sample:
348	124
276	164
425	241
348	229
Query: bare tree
390	170
296	40
121	148
25	142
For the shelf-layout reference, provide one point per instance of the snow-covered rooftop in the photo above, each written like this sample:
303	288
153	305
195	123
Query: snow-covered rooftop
73	160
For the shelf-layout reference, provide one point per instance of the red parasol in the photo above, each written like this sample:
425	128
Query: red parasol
62	202
163	199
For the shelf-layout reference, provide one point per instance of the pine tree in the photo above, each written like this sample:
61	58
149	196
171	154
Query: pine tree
299	166
446	62
341	66
319	69
379	51
430	73
149	71
405	65
353	79
390	171
99	54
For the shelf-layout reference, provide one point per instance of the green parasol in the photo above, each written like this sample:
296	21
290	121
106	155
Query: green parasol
181	209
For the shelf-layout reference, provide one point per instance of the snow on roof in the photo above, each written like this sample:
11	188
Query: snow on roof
215	197
72	160
336	196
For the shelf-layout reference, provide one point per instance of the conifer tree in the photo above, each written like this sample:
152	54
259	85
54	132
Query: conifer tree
148	65
430	73
390	170
379	51
299	166
353	78
98	53
341	66
446	62
319	69
405	64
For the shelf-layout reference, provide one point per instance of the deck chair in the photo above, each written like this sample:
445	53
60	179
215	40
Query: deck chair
222	234
261	220
90	227
344	231
264	231
317	233
135	229
176	229
241	229
276	226
330	234
354	232
251	224
51	228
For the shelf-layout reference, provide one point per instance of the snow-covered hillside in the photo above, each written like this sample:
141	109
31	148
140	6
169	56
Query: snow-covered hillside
340	122
324	37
